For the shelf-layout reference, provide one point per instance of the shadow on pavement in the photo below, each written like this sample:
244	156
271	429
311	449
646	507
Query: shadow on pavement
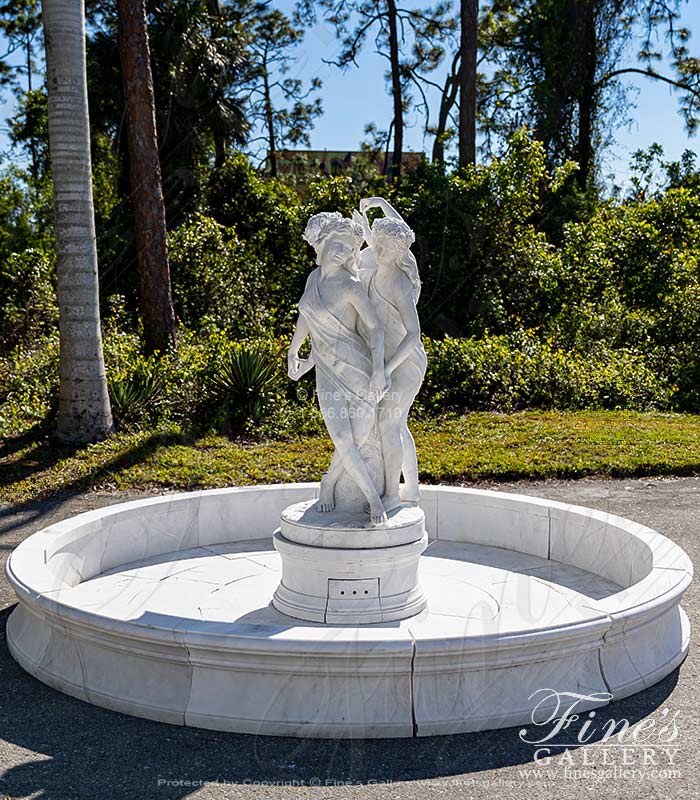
82	751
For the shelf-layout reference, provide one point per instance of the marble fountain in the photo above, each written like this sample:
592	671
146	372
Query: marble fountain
363	606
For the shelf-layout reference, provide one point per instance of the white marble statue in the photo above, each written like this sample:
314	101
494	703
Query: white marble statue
359	308
349	368
390	273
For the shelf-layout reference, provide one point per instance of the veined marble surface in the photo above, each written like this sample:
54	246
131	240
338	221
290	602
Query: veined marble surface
472	589
304	524
161	608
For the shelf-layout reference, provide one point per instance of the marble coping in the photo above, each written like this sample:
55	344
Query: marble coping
653	571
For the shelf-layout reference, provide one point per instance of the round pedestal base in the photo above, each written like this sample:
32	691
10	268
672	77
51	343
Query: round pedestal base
339	568
350	530
349	586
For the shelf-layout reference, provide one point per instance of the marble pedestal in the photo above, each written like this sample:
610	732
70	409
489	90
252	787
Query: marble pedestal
336	568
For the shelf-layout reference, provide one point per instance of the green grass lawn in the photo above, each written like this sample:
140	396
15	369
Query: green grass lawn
472	447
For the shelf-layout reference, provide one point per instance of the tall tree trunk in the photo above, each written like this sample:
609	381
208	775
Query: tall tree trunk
32	140
214	10
396	91
83	411
146	186
270	121
469	14
219	142
588	64
447	101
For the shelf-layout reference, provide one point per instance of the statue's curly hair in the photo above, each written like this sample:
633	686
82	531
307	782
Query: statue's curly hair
322	225
392	228
399	231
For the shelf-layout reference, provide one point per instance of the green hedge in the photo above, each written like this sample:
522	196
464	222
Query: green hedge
503	373
509	373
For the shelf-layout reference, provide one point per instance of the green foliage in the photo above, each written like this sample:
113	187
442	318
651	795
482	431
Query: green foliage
135	381
536	294
135	396
561	66
16	210
29	130
266	216
593	308
217	280
169	386
508	373
105	176
290	419
27	297
242	386
210	380
28	385
336	193
483	261
631	281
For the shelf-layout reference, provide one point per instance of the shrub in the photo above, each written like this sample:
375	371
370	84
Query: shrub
676	334
217	280
27	297
243	385
237	387
268	217
28	385
135	396
210	379
483	261
290	419
508	373
18	208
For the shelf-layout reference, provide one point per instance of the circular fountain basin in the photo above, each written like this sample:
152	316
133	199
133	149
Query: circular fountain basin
162	608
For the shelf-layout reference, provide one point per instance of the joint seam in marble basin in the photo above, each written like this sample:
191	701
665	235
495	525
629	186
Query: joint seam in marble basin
635	635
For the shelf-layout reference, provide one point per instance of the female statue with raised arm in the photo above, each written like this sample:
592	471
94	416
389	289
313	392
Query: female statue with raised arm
390	274
349	368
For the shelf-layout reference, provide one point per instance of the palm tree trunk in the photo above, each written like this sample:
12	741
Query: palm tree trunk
469	12
146	187
83	413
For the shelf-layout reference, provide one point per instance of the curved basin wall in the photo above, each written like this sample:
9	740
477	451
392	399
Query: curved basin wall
630	639
80	548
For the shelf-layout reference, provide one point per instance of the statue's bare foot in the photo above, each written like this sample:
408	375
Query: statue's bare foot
390	502
377	514
326	500
409	493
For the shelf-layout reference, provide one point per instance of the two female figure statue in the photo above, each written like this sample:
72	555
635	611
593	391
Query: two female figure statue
359	308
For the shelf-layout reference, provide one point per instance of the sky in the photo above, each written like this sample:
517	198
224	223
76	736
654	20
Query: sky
357	96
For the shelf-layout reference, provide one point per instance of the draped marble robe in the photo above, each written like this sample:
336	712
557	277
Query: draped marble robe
341	357
406	379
